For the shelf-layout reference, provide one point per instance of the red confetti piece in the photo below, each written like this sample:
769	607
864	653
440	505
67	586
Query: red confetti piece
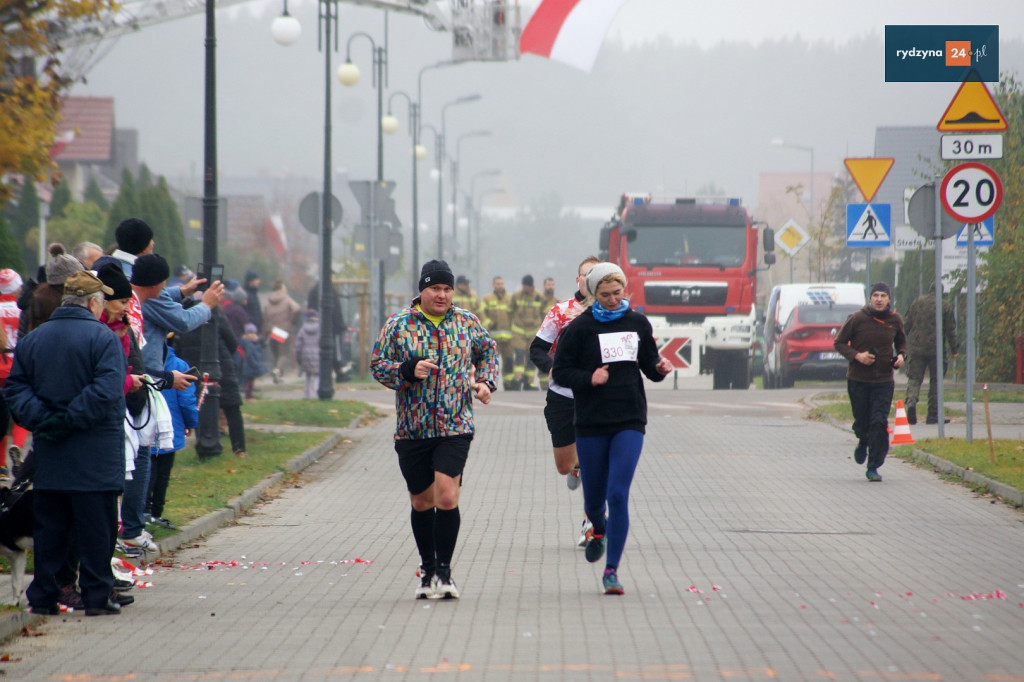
694	589
979	596
716	588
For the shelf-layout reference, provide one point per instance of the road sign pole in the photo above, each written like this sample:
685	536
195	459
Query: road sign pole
969	337
940	369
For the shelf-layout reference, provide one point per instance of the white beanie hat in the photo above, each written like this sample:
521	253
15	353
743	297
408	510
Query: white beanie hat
599	272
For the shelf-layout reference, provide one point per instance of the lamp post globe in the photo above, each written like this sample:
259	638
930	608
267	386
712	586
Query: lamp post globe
348	74
389	124
286	30
421	152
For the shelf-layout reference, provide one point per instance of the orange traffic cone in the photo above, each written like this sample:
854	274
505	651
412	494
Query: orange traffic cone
901	434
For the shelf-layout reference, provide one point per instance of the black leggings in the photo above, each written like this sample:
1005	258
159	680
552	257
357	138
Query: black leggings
159	479
236	427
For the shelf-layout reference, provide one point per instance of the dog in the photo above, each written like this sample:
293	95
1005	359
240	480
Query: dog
16	523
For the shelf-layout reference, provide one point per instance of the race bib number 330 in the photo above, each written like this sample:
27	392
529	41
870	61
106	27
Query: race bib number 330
620	347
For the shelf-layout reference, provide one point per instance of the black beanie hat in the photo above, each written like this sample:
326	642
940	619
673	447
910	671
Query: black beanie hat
133	235
113	276
436	272
150	270
881	286
527	280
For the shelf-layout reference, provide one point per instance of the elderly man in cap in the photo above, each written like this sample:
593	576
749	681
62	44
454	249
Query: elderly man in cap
437	358
66	386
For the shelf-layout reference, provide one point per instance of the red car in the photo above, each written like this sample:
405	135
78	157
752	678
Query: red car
805	348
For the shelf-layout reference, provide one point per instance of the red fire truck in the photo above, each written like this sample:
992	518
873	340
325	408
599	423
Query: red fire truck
692	269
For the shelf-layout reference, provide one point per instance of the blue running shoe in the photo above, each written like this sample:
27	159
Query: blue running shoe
611	583
860	455
874	476
595	548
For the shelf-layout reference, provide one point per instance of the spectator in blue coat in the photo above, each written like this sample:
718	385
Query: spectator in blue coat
66	386
251	354
185	417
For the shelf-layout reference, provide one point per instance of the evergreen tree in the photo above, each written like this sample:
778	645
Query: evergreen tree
60	199
94	194
126	205
25	219
10	249
145	178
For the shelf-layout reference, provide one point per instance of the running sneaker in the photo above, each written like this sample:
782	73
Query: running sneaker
874	476
595	548
586	530
163	523
611	583
572	479
129	551
445	588
142	542
860	454
426	589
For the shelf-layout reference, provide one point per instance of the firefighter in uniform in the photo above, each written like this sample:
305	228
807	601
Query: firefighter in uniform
527	313
549	301
466	298
497	318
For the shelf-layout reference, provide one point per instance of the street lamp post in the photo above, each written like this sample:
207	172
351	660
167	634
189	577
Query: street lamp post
441	140
285	31
208	434
348	74
390	125
456	164
475	215
779	142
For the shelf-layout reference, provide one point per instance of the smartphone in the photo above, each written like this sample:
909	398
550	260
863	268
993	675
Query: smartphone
194	371
215	273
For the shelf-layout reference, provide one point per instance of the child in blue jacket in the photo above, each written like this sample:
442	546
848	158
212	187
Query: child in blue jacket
185	417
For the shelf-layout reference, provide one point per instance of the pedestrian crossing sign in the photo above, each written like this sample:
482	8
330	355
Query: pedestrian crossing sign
984	233
867	225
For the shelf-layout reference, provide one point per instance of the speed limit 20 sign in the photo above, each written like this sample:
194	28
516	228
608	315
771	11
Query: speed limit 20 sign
971	192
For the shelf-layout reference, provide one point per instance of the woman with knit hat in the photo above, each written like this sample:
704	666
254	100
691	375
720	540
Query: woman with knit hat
874	343
601	356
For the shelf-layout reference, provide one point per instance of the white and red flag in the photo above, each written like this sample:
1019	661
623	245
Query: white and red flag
569	31
273	229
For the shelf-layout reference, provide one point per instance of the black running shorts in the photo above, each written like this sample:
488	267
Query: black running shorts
559	412
420	458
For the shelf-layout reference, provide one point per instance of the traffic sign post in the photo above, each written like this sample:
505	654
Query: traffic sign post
791	237
971	192
965	147
867	225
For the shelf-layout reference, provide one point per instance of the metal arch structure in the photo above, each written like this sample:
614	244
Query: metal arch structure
482	30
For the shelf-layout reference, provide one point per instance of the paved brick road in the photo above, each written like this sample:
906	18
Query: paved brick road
758	551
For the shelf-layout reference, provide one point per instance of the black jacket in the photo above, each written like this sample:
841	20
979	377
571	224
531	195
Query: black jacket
621	403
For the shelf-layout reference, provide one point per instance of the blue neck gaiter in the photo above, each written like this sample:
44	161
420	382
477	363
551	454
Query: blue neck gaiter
602	315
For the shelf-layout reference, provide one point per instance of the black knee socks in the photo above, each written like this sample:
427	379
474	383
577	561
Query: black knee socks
446	533
423	533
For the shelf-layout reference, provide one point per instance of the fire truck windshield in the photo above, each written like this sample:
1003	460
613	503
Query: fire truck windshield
687	246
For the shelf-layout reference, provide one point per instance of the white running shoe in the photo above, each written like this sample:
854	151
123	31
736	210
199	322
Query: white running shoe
426	589
445	587
586	530
142	543
572	479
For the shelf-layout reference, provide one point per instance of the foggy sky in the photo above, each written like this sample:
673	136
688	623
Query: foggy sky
655	115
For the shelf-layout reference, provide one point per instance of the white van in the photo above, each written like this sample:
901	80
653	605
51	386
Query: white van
783	300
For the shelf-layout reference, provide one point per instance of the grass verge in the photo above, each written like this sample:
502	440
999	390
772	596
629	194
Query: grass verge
328	413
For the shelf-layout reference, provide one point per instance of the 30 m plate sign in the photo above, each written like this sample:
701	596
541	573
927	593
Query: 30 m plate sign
963	147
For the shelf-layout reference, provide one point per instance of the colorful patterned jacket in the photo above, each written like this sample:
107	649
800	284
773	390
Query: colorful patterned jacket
441	404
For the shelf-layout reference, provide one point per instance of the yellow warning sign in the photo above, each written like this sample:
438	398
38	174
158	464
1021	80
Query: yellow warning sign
869	174
972	110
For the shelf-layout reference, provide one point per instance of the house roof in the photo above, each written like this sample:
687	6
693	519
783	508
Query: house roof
92	120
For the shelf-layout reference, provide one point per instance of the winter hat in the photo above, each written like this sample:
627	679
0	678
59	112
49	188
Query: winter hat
239	296
461	279
60	265
881	286
250	328
599	272
436	272
84	283
527	280
113	276
133	235
150	270
250	275
10	281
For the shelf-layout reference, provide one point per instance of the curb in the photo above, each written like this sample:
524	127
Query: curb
13	622
1007	493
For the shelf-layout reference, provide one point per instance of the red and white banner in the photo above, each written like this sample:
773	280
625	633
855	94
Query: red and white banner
273	228
279	335
569	31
